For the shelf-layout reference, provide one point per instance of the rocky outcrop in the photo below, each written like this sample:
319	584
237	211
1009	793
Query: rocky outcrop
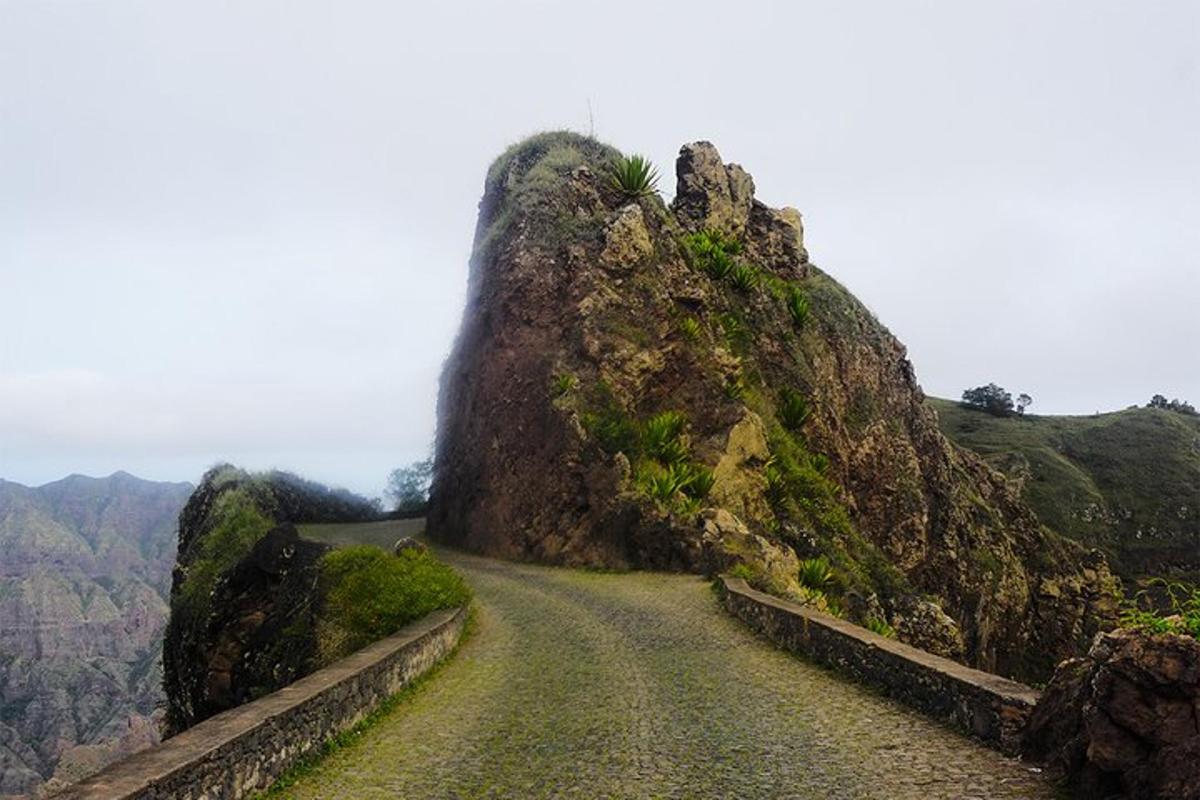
85	566
1124	720
245	599
590	314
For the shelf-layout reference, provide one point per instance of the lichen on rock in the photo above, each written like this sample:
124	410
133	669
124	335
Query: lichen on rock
801	405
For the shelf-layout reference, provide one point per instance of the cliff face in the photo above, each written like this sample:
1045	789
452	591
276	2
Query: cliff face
85	566
638	385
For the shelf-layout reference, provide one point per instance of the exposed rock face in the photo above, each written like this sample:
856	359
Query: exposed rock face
85	566
589	314
1125	719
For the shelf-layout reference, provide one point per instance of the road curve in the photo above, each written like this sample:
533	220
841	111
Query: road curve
594	685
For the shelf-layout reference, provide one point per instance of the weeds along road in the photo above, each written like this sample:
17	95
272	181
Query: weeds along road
637	685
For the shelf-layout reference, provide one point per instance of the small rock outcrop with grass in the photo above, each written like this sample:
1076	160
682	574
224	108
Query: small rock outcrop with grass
679	387
254	606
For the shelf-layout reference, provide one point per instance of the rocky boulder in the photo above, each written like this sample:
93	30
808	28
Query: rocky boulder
1124	721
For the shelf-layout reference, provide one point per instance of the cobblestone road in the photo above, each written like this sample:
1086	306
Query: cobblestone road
590	685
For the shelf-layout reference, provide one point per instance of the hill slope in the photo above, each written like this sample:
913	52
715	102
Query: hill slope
1128	481
85	567
638	385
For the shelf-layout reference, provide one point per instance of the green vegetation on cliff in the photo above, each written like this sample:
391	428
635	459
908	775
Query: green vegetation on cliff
254	606
1127	482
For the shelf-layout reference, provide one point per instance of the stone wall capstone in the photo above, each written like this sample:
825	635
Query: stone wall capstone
987	706
244	750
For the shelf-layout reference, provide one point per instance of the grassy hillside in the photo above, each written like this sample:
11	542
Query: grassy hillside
1128	481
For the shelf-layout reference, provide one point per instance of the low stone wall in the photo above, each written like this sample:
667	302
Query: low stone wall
992	708
244	750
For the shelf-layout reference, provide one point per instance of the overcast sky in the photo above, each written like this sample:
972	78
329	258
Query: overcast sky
239	230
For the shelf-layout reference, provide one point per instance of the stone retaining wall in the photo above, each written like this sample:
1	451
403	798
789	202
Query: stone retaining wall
244	750
992	708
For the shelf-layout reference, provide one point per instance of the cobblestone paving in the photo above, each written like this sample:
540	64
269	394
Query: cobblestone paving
591	685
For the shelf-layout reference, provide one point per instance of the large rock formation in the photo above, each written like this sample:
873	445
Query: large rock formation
245	599
1125	720
590	314
85	567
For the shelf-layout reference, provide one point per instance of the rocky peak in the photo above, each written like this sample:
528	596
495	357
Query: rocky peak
713	195
679	387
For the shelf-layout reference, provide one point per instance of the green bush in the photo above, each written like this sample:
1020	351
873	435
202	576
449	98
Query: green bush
1181	614
370	593
793	409
563	384
633	176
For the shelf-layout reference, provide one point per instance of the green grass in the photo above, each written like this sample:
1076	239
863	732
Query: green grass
1099	479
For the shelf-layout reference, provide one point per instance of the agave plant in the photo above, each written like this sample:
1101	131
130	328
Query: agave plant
662	437
793	409
881	627
744	278
797	305
700	483
689	327
816	573
633	176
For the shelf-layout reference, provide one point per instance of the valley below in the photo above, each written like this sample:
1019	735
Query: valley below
85	567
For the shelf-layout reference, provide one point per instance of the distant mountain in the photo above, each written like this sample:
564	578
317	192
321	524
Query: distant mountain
85	571
1127	482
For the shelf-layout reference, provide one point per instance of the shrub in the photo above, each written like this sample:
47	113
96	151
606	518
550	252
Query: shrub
816	573
991	398
735	387
700	484
633	176
744	278
1182	609
690	328
793	409
662	484
563	384
712	251
370	593
881	627
734	329
797	306
662	437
